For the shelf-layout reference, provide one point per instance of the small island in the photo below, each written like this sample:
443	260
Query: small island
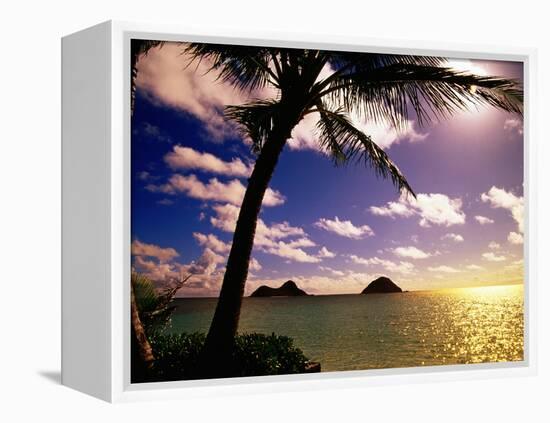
288	289
382	285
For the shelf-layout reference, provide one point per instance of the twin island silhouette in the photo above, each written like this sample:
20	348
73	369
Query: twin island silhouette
381	285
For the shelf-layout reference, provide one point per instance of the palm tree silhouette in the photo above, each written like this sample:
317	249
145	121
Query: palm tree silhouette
377	87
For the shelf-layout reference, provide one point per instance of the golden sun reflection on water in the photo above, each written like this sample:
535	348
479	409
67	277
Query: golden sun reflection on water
481	324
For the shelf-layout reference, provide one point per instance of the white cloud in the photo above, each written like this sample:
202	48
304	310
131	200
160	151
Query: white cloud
344	228
515	265
301	242
231	192
494	245
254	265
411	252
332	271
270	239
493	257
453	237
156	271
392	209
206	264
433	209
188	158
482	220
401	267
285	250
500	198
513	125
474	267
385	135
151	250
213	242
164	74
325	253
443	269
515	238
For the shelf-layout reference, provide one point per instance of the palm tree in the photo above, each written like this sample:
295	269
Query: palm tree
375	86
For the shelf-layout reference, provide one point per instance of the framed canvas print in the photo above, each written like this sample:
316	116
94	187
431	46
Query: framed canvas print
259	212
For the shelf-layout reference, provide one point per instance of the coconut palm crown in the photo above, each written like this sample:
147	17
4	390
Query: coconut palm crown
375	87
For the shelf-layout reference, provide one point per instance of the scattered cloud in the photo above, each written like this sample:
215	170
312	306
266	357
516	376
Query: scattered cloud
325	253
433	209
494	245
443	269
516	265
271	239
332	271
474	267
165	202
493	257
393	209
515	238
500	198
514	126
213	242
151	250
385	135
344	228
302	242
285	250
153	132
391	266
452	237
411	252
188	158
143	175
231	192
167	77
254	265
482	220
156	271
205	265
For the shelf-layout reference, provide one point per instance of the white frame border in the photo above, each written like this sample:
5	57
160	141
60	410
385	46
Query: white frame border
121	389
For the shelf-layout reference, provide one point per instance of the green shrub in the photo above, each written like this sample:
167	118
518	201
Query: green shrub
176	356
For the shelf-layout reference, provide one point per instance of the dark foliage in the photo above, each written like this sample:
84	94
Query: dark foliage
177	356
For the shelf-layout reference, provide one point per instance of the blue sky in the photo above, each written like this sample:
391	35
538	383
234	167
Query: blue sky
330	229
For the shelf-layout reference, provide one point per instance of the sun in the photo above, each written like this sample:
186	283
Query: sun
464	65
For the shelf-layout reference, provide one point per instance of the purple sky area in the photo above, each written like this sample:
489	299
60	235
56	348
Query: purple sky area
332	230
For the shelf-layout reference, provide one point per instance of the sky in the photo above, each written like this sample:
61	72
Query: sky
330	229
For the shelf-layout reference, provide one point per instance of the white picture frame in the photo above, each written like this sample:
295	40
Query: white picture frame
96	214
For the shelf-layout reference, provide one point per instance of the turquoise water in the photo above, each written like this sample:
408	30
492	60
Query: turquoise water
351	332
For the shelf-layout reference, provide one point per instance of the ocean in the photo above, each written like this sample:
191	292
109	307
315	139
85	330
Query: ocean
353	332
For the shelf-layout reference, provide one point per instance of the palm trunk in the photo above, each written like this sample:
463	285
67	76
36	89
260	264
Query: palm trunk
142	353
217	352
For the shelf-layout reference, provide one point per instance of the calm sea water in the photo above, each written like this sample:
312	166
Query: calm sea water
350	332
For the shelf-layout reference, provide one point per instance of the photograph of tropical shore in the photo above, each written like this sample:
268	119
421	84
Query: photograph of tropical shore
302	211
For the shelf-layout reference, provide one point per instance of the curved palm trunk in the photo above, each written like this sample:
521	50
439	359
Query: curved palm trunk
216	356
142	353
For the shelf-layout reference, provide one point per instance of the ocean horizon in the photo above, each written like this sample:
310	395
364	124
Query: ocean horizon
355	331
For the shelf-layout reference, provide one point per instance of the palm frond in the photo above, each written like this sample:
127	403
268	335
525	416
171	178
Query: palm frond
246	67
434	93
256	120
138	48
153	305
347	144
